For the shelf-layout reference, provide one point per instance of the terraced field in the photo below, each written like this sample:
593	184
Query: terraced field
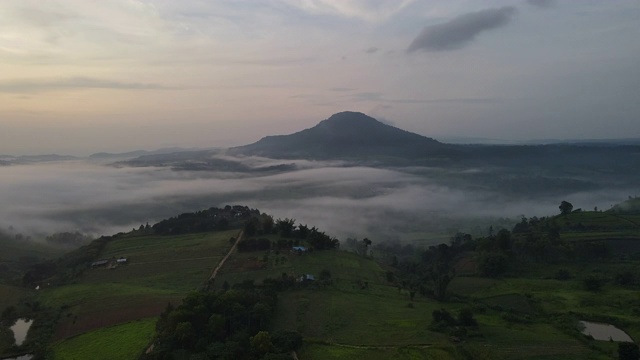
159	270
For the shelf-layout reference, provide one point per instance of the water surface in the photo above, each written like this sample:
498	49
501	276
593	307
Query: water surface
604	332
20	329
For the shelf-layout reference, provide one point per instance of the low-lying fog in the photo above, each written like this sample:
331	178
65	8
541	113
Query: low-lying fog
79	195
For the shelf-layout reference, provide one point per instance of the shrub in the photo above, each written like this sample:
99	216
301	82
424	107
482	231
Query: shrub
562	274
593	283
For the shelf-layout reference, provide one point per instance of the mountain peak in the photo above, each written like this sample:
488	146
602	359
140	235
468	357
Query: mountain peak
351	116
344	134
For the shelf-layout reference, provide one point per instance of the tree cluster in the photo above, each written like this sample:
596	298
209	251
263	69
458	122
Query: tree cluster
432	274
443	321
225	325
206	220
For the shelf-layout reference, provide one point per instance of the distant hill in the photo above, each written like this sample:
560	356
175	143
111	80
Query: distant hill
346	135
6	160
628	207
138	153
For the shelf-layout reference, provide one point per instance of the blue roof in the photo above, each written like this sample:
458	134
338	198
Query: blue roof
299	248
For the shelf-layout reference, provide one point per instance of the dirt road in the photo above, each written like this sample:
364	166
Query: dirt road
221	263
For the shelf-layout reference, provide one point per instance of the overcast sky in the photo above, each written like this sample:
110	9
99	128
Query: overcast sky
81	76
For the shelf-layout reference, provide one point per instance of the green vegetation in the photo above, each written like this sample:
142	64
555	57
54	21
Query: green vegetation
337	352
76	297
159	270
512	294
17	254
124	341
225	325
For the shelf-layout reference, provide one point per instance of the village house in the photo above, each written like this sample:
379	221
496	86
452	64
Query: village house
99	263
298	250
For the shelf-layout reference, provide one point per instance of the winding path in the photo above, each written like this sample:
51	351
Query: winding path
211	278
221	263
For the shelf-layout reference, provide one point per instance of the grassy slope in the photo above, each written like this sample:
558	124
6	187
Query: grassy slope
9	295
598	226
342	320
17	255
124	341
532	296
161	269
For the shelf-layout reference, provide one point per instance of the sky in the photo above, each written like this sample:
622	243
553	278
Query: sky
83	76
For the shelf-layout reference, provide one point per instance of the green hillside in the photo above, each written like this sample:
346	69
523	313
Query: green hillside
344	318
511	295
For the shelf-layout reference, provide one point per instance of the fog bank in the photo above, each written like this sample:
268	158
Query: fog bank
341	200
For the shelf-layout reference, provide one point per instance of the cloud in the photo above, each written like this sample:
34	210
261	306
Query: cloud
340	199
372	50
461	101
371	11
461	30
30	86
542	3
367	96
341	89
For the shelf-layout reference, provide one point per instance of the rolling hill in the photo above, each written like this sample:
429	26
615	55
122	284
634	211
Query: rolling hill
360	304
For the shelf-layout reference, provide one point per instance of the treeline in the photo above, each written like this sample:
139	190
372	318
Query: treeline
290	235
67	267
69	239
206	220
224	325
532	241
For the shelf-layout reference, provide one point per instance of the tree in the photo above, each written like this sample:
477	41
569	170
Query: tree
285	341
267	224
251	226
503	240
565	207
261	343
493	264
593	283
184	334
285	226
628	351
9	315
367	244
465	318
441	270
303	231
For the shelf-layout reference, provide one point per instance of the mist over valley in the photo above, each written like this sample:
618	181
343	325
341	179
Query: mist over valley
377	184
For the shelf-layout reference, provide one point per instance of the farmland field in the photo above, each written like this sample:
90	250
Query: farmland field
159	270
348	319
125	341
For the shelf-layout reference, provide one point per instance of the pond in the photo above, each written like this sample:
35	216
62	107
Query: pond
20	330
604	332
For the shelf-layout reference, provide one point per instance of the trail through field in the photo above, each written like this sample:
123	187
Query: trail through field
221	263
